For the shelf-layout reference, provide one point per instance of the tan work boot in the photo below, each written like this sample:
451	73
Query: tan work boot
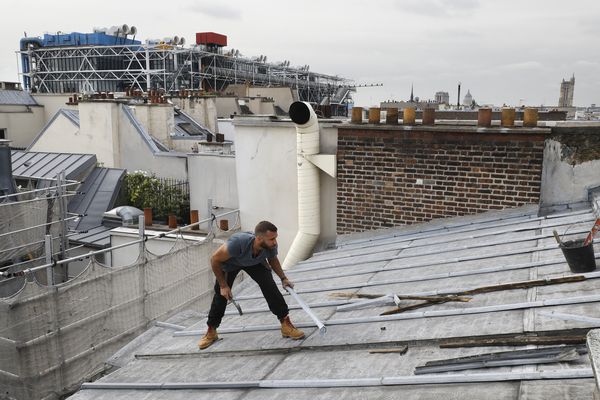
209	338
289	330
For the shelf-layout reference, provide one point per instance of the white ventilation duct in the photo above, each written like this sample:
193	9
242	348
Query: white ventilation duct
117	30
309	217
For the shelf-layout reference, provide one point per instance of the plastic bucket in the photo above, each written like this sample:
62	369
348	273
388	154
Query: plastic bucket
579	257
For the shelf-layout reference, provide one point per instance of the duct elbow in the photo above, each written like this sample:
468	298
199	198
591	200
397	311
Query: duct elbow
301	248
303	115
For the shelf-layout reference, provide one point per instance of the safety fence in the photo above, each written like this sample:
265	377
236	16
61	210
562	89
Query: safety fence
52	338
25	219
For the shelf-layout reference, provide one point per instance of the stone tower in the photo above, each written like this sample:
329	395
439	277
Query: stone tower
566	92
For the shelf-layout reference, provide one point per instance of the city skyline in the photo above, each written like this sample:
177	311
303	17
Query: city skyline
514	53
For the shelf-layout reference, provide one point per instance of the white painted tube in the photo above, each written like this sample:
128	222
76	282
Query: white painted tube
309	215
306	308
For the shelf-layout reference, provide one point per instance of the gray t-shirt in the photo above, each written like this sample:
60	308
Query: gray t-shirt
239	247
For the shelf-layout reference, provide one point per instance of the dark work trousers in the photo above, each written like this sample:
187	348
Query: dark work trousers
261	275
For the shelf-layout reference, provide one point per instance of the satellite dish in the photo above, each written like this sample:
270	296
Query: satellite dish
132	30
181	41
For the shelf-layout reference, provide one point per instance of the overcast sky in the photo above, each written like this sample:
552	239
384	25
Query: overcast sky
505	52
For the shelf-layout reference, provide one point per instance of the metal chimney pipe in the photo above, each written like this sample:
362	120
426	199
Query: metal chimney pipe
7	183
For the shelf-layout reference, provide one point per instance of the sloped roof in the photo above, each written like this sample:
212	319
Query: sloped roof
16	98
30	164
97	237
96	196
73	115
252	361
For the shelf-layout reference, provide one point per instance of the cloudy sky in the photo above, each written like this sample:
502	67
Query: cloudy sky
505	52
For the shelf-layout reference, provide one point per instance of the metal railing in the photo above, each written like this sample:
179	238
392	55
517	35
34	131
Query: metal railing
143	238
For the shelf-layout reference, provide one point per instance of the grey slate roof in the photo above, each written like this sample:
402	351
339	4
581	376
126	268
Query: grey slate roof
29	164
16	98
96	196
97	237
438	257
73	115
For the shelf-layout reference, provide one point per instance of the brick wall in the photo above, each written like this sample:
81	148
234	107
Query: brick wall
391	176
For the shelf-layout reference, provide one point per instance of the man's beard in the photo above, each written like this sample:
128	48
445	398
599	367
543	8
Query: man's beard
265	246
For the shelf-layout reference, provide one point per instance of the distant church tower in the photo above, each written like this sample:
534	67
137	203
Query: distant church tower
468	100
566	92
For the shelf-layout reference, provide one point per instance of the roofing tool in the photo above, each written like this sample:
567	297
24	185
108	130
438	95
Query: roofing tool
556	237
237	306
590	236
306	308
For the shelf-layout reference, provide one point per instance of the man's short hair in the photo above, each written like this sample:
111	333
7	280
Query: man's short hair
263	226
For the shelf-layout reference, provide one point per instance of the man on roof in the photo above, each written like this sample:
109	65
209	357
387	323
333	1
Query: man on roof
256	254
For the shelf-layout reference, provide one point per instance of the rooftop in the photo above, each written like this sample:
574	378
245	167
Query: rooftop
43	165
16	98
362	354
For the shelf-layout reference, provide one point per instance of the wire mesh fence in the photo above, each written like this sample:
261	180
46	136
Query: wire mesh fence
53	338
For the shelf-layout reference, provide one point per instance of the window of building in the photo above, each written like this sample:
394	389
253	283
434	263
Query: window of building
2	133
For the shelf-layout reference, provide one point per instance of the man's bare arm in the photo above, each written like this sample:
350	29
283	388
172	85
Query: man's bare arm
216	263
276	266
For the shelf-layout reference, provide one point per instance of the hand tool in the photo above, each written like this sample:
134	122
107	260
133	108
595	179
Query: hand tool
237	306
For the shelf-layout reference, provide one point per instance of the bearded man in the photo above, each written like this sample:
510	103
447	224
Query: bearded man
256	254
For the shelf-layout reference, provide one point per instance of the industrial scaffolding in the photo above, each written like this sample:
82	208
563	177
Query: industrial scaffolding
114	68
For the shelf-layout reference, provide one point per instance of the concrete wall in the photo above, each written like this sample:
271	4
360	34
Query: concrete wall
202	109
21	123
157	119
184	144
52	103
227	106
571	166
99	132
137	154
57	137
267	178
212	177
260	106
282	96
226	128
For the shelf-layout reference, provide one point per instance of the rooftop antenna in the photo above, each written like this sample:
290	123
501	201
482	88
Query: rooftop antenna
458	99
